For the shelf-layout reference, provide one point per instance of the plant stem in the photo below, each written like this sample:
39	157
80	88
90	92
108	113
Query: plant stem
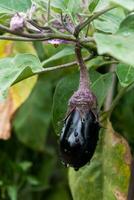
44	38
110	94
89	20
48	10
38	36
71	64
116	100
84	78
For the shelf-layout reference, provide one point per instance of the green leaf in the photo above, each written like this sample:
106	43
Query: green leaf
129	4
119	45
58	192
107	175
127	25
123	115
67	6
69	84
101	5
25	165
12	192
15	5
92	5
125	74
110	21
32	120
73	7
13	70
62	5
33	180
100	83
67	51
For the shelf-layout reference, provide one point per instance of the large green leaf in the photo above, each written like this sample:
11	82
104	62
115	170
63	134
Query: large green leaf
15	5
123	115
69	84
107	175
125	74
129	4
110	21
67	51
119	45
32	120
127	26
12	70
102	4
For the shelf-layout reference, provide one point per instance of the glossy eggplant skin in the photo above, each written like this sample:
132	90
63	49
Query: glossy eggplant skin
79	138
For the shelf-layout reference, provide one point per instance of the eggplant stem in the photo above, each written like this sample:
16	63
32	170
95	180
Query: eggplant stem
84	82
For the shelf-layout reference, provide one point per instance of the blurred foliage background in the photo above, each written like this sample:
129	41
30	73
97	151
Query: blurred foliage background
30	166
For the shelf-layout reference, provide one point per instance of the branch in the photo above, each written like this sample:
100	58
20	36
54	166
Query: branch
71	64
48	69
39	36
15	38
82	25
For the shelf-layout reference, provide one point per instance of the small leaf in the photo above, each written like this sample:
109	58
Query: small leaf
66	87
12	192
108	173
25	165
33	180
125	74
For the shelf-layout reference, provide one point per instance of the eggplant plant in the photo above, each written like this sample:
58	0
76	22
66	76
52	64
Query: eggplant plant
67	68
